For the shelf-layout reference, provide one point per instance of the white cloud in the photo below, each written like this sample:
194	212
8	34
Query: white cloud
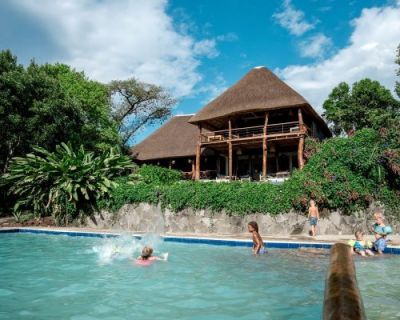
315	46
292	19
370	53
120	39
206	47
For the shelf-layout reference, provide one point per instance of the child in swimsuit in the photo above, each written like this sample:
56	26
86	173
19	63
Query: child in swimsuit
146	258
258	244
380	231
313	215
361	246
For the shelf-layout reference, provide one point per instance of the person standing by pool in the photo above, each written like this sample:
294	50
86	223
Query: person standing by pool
380	231
313	216
258	243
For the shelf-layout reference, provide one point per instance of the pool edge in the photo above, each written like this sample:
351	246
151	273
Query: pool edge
189	239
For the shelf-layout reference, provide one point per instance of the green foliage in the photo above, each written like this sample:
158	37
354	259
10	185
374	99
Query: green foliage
366	105
158	175
342	173
63	183
137	104
397	61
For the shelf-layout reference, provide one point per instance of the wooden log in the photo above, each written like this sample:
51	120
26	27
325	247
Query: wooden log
342	299
264	160
300	151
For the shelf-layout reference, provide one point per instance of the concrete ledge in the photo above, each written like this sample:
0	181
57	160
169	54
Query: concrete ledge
342	300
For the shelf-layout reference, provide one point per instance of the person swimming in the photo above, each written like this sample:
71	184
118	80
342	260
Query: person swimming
147	258
258	244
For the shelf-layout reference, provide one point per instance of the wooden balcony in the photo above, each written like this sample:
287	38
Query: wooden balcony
277	131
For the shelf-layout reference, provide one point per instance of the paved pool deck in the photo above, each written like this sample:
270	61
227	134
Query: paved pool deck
328	239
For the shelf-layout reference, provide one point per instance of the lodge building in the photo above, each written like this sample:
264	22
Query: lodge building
255	130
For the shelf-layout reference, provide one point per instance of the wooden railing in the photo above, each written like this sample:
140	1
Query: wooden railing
286	128
342	299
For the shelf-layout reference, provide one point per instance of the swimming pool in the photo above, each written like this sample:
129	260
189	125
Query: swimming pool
43	275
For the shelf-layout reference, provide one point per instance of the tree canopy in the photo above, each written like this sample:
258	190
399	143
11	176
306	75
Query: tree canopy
136	104
367	104
47	104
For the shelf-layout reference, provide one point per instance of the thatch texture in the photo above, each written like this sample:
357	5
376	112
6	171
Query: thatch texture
258	90
176	138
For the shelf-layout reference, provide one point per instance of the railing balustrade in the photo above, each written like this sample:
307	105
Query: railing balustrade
252	132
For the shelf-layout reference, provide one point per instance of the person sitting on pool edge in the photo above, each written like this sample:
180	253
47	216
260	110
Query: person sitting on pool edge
258	244
380	231
146	258
361	246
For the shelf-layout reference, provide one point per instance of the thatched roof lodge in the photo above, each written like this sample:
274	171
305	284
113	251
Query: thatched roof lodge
254	130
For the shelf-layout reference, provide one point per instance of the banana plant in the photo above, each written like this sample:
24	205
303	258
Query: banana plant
64	182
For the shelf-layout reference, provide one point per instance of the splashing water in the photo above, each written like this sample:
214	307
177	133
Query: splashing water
125	247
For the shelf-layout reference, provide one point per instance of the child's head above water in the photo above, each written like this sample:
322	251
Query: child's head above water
252	226
359	235
146	253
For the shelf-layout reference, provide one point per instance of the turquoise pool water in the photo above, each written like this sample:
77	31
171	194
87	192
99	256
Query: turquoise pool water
77	278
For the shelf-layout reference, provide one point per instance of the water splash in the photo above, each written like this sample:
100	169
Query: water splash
126	247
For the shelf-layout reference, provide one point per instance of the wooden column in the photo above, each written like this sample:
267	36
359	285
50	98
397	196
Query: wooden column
300	149
194	169
230	150
264	159
198	152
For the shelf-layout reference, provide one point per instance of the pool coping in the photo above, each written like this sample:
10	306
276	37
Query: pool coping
232	242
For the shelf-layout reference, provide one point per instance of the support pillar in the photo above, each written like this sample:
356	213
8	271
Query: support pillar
265	151
198	152
300	151
230	155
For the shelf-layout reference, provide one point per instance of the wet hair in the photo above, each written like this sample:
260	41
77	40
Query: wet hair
254	225
358	233
146	253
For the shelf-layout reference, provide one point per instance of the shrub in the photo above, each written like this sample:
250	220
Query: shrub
158	175
63	183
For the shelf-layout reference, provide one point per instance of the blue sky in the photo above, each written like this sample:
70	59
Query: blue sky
197	49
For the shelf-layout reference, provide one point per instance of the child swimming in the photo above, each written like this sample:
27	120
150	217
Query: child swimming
361	246
258	244
146	258
313	215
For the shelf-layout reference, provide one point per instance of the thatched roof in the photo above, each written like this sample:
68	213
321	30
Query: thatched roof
258	90
176	138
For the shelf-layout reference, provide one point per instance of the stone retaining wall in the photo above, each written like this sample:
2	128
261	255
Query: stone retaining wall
149	218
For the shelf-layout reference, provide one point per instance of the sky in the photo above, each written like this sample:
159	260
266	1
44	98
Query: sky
197	49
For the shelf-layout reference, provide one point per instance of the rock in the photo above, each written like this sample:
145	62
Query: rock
151	218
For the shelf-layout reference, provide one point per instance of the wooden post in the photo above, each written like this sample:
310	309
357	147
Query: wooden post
301	122
218	164
193	169
300	149
230	150
198	152
264	160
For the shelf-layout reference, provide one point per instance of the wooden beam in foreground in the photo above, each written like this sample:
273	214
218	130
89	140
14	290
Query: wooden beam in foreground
342	300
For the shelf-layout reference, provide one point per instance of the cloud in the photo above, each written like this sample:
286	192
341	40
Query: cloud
292	19
120	39
315	46
370	53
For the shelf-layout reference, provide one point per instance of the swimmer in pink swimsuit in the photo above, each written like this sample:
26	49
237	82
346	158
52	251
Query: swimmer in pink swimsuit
146	258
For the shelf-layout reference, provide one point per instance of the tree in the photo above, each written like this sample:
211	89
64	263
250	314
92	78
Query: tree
397	89
136	104
366	105
47	104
